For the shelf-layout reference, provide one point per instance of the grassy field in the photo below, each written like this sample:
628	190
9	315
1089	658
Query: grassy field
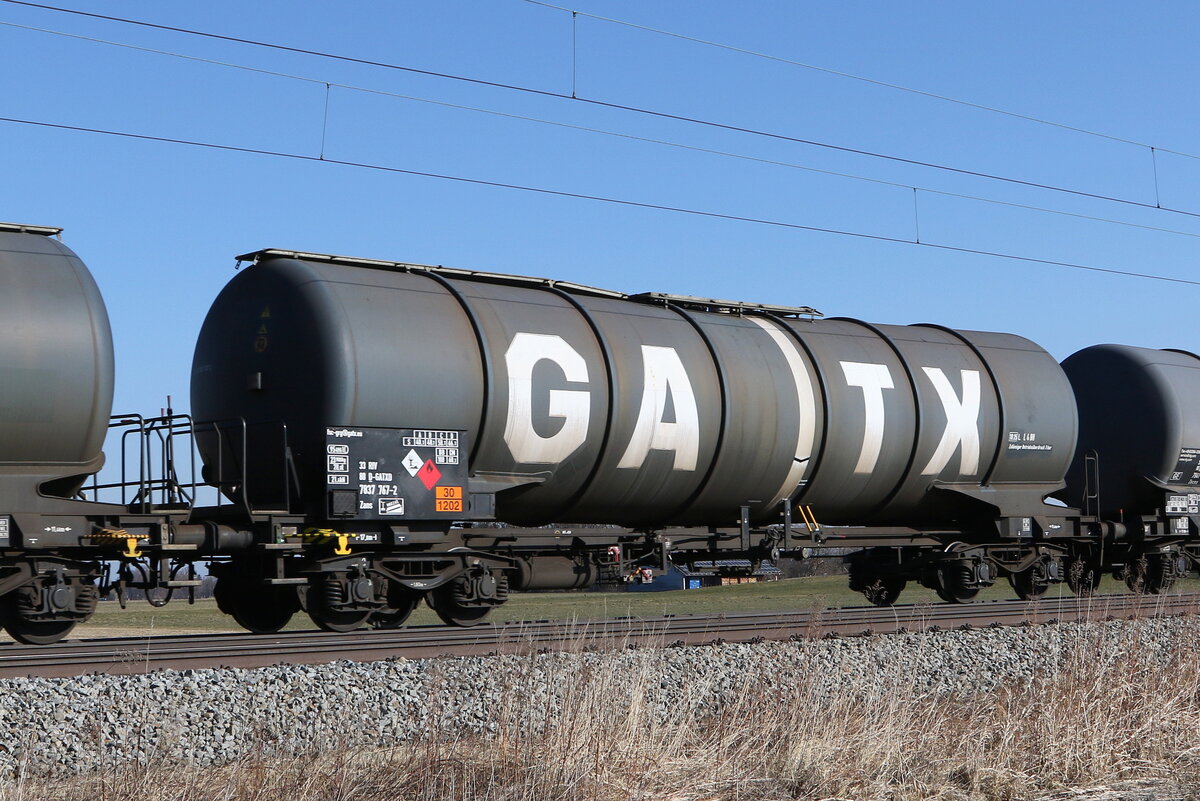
789	594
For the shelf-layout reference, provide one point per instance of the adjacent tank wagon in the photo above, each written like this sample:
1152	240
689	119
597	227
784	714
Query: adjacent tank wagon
56	391
1140	409
56	361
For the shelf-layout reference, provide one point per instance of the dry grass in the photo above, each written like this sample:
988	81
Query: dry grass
1097	719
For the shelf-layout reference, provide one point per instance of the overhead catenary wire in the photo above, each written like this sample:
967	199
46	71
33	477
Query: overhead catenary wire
616	106
862	78
328	85
595	198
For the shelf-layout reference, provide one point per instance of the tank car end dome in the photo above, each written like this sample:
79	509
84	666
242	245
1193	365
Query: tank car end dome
1139	410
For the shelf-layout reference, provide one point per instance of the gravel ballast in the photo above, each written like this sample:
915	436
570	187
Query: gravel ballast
62	726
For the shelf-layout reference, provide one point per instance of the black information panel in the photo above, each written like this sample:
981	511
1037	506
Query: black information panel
396	473
1183	504
1187	469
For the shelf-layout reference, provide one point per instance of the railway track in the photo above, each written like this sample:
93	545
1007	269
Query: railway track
145	654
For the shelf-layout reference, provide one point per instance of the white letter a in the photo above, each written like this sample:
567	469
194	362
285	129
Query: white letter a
664	374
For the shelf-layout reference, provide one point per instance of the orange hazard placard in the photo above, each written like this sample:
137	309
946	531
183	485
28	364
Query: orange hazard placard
449	494
448	505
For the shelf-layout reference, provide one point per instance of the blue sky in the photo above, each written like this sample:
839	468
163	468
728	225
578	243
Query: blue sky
160	224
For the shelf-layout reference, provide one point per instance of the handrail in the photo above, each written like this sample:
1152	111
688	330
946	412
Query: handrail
156	480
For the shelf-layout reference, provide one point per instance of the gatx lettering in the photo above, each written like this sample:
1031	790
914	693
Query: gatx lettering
962	416
573	406
664	377
873	379
668	418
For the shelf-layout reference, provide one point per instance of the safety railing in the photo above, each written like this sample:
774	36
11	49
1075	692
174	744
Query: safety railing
250	463
166	461
150	477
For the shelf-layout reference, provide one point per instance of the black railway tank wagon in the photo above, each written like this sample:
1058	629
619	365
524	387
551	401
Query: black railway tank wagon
384	433
444	429
1138	462
56	389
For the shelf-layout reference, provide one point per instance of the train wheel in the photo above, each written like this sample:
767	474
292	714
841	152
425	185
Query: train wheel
74	600
258	608
336	603
884	590
401	603
222	595
445	601
37	632
1145	575
1083	577
330	620
952	583
957	595
1026	588
265	614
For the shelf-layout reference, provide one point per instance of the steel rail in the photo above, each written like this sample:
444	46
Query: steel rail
196	651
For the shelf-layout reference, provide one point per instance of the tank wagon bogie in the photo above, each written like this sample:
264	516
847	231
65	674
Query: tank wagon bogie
384	434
